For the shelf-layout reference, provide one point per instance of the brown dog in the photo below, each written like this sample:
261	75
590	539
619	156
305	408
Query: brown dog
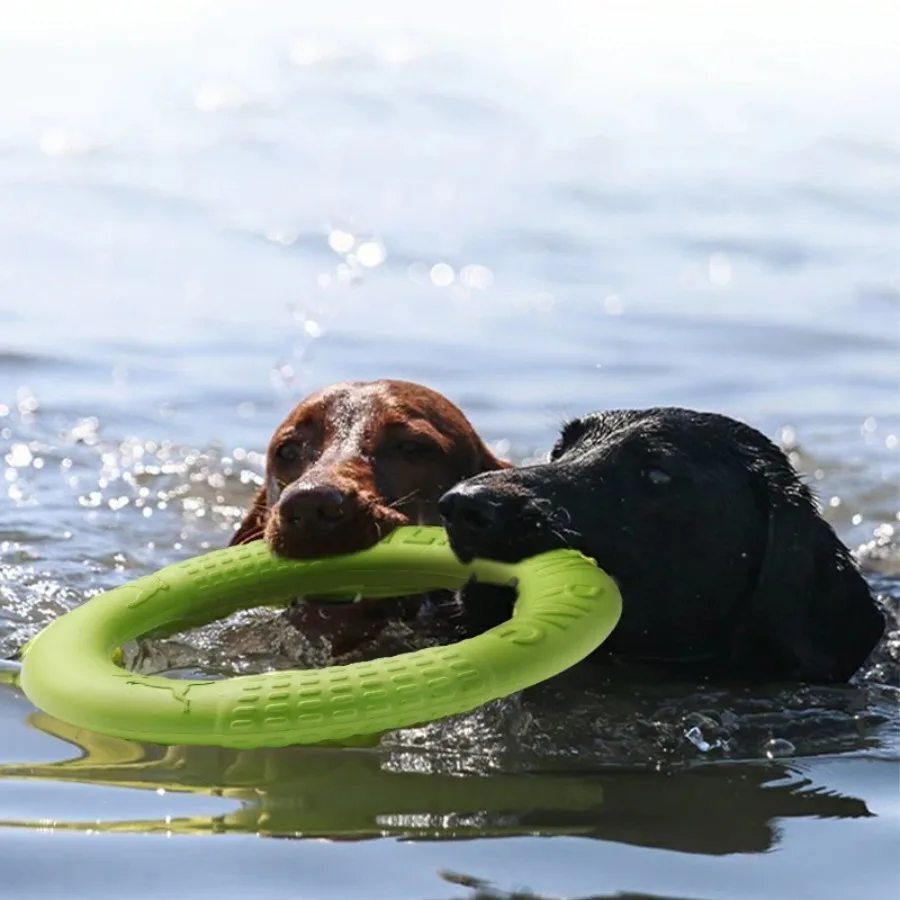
348	465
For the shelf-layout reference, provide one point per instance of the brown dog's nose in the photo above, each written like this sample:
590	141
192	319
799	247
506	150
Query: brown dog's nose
317	506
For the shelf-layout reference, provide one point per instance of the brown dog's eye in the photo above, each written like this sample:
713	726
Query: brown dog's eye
288	453
657	477
413	446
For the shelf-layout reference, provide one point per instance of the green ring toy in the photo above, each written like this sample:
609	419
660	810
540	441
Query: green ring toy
566	607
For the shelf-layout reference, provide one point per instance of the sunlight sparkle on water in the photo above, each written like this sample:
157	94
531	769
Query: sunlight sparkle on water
19	456
442	275
371	254
341	241
476	276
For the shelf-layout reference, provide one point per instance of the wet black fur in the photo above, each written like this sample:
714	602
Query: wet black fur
724	561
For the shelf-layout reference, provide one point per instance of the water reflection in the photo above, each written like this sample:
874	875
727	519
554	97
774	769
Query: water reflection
358	794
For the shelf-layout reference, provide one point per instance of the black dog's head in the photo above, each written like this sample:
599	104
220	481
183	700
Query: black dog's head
722	557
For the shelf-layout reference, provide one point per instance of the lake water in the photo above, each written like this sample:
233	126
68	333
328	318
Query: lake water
208	209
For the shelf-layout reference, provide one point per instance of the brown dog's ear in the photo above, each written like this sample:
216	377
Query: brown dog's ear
811	615
487	462
491	463
253	526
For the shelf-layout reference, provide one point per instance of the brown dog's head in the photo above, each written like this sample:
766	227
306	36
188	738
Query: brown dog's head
348	465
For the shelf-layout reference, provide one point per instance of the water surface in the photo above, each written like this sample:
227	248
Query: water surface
207	212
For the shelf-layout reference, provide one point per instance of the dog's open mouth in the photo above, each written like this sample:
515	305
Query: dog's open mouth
347	624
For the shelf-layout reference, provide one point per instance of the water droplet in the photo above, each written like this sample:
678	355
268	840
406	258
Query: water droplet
85	432
26	401
787	437
776	748
695	736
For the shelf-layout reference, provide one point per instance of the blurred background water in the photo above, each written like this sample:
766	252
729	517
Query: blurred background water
208	209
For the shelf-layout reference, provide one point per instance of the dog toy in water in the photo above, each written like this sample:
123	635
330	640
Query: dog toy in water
566	607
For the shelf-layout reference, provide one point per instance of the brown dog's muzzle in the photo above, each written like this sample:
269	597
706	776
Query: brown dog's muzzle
328	519
314	520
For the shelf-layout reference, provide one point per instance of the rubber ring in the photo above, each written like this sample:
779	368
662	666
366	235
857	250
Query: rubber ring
565	608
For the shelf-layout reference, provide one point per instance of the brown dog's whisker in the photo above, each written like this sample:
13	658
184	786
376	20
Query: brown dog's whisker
400	500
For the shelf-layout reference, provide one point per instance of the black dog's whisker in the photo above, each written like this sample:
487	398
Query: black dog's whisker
561	537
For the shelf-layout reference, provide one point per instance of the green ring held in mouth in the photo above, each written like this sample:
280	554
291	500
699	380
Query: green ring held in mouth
565	608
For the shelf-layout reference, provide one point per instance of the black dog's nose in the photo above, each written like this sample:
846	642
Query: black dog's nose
320	505
471	513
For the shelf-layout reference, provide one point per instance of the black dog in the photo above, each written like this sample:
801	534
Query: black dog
725	565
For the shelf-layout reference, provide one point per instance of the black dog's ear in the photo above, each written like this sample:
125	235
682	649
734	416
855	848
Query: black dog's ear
569	433
811	616
253	525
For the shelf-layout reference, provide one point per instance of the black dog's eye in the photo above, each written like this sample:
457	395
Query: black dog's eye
657	476
288	453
